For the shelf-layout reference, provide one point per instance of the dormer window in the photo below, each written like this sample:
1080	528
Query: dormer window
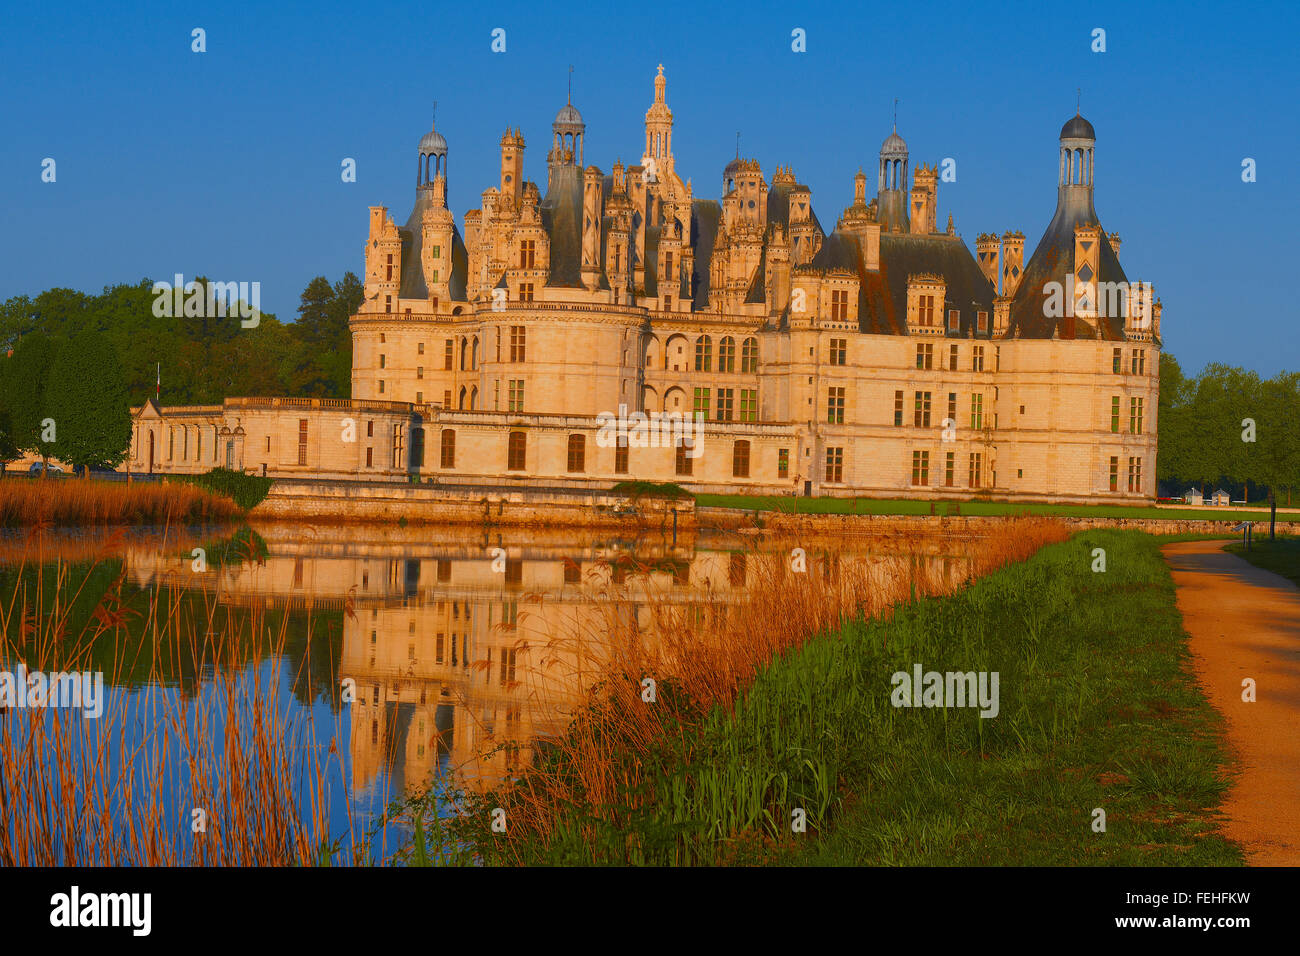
954	320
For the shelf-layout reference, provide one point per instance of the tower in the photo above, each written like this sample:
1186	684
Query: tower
891	184
512	168
659	128
567	137
433	156
925	199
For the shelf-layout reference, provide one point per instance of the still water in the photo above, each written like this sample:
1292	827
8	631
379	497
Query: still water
396	657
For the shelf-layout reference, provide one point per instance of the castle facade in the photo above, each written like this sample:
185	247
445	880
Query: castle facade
618	326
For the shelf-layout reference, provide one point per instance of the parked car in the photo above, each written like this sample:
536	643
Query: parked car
80	470
39	466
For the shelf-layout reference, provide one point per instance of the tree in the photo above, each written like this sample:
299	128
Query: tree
24	387
87	398
8	449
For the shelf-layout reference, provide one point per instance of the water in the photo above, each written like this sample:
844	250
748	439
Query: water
381	658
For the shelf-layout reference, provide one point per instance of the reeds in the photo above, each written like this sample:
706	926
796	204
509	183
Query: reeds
26	502
123	788
638	781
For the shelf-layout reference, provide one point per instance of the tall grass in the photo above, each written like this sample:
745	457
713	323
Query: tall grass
638	781
121	789
69	501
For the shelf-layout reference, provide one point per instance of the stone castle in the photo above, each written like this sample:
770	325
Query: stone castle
880	358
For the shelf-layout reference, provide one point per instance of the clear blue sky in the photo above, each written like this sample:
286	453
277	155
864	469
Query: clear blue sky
227	163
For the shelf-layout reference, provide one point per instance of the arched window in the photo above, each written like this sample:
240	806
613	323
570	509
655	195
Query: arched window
448	448
517	452
577	453
463	393
464	350
473	356
740	459
704	354
749	355
727	354
473	398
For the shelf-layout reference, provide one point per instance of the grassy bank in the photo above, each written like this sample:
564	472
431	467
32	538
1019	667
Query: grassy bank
28	502
1281	555
908	506
1096	710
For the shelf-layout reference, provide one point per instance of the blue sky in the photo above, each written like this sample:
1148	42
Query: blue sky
227	163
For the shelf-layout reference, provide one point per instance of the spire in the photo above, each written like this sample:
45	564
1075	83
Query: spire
895	114
660	82
570	97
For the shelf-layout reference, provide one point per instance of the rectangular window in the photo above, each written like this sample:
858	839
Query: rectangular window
515	398
517	452
839	305
399	444
925	356
926	303
1116	357
948	467
835	464
302	441
527	254
977	359
952	408
982	321
1135	474
740	459
835	406
701	407
920	467
370	458
447	353
525	292
388	303
783	463
898	409
749	404
446	398
518	342
1135	416
839	351
976	412
448	448
381	386
684	461
620	459
577	453
974	479
1114	413
726	404
954	320
1114	473
921	410
952	358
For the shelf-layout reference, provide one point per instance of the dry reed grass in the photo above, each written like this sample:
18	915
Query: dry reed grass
119	789
26	502
708	654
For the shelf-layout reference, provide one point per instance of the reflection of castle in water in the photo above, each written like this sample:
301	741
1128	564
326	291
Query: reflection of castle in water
463	651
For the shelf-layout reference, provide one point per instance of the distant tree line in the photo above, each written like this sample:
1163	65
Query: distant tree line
72	364
1229	428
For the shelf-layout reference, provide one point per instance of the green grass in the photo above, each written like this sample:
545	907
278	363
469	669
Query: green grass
1097	710
909	506
1281	555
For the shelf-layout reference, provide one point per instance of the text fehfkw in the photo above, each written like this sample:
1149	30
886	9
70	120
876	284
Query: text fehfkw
102	909
948	689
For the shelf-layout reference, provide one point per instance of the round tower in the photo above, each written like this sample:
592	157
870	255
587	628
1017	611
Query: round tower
433	158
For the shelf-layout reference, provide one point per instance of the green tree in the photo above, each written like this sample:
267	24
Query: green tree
25	397
87	398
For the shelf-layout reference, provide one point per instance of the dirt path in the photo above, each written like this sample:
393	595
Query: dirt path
1245	622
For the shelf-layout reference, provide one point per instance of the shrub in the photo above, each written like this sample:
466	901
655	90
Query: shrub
247	491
